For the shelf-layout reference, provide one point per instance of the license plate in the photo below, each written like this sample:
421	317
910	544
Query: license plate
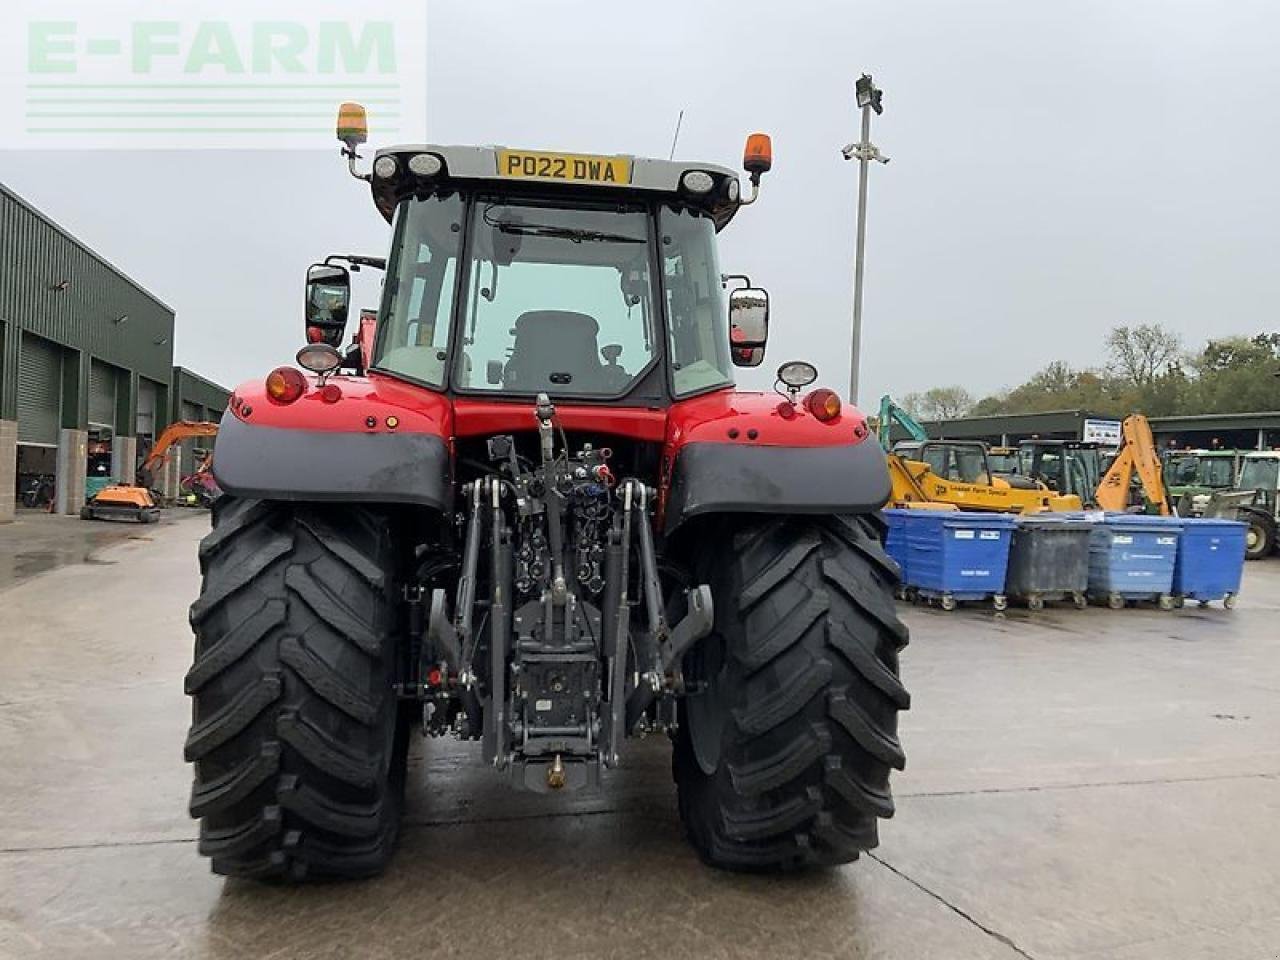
572	167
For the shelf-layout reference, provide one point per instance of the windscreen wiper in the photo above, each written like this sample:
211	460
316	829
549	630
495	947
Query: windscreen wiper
563	233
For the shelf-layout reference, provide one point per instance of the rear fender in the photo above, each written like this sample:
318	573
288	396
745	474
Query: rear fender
380	442
754	453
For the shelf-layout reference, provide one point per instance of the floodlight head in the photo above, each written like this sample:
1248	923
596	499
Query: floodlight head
864	89
868	95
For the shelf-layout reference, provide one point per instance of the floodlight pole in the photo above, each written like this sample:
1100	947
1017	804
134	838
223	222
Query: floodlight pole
855	354
864	151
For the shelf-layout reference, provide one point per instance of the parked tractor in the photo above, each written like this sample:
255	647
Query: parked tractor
1194	476
543	520
1255	500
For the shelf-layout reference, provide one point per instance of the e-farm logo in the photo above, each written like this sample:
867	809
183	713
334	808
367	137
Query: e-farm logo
204	75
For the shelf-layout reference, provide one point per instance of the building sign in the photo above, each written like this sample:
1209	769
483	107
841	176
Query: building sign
1103	432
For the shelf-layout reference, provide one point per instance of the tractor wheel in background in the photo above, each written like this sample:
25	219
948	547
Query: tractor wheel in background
1258	539
297	737
785	743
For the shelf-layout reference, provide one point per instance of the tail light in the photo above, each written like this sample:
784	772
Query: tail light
285	385
315	335
824	404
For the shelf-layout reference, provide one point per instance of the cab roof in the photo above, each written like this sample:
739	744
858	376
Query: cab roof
632	177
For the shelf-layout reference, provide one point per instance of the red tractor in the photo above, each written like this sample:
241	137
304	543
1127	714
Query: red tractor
540	517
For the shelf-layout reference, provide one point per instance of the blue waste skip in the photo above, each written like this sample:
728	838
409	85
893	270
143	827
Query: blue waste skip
1210	561
895	537
954	555
1131	557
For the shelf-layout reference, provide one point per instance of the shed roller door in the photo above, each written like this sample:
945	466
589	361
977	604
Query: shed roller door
190	411
39	390
102	394
146	425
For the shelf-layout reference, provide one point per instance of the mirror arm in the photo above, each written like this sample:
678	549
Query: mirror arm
491	291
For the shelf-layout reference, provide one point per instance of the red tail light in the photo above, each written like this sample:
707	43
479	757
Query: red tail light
824	404
330	393
285	385
314	335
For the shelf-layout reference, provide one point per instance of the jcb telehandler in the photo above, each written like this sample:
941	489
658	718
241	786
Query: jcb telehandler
543	520
955	474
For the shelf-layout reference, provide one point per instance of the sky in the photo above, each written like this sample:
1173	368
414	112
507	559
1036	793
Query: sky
1056	169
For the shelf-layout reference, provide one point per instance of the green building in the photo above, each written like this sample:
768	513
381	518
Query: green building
87	379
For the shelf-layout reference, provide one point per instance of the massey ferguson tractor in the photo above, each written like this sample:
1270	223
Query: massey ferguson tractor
529	509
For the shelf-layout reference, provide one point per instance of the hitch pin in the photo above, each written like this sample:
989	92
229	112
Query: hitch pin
555	774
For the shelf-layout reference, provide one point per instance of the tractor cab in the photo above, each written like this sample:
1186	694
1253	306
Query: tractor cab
585	277
956	460
1067	466
1004	461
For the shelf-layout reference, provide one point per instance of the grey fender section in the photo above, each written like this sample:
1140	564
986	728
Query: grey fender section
737	478
277	463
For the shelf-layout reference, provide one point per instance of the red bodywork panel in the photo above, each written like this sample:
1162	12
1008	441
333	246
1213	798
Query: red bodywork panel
725	416
382	404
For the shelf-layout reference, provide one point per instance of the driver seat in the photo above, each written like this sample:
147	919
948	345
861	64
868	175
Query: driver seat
554	343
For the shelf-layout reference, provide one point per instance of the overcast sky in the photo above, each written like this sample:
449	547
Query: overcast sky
1057	169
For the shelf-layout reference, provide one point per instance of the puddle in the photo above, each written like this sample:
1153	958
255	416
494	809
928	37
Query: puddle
29	553
23	566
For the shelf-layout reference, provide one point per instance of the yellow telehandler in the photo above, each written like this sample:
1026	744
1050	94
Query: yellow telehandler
955	474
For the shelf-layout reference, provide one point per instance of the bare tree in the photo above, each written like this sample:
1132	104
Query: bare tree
938	403
1140	354
913	403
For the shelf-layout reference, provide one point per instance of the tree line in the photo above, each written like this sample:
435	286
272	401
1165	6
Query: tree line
1147	371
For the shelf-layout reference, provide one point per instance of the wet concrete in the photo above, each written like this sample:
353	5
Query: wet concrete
1080	784
38	542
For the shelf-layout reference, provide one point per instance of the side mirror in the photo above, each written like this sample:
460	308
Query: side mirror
328	298
493	371
748	326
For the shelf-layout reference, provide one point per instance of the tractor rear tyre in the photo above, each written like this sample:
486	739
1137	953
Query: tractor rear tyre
297	737
1259	538
787	736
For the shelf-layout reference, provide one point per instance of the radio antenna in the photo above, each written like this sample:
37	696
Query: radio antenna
676	138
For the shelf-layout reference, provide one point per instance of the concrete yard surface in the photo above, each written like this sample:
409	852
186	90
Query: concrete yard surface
1080	784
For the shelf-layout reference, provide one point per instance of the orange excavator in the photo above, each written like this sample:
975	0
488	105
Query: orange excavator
124	501
1138	457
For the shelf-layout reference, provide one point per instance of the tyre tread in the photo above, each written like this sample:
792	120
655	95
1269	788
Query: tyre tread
813	637
297	739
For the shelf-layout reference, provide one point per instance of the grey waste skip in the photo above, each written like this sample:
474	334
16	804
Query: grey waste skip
1049	560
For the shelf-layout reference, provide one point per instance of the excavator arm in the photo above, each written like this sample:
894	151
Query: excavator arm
174	433
1137	455
891	413
123	501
